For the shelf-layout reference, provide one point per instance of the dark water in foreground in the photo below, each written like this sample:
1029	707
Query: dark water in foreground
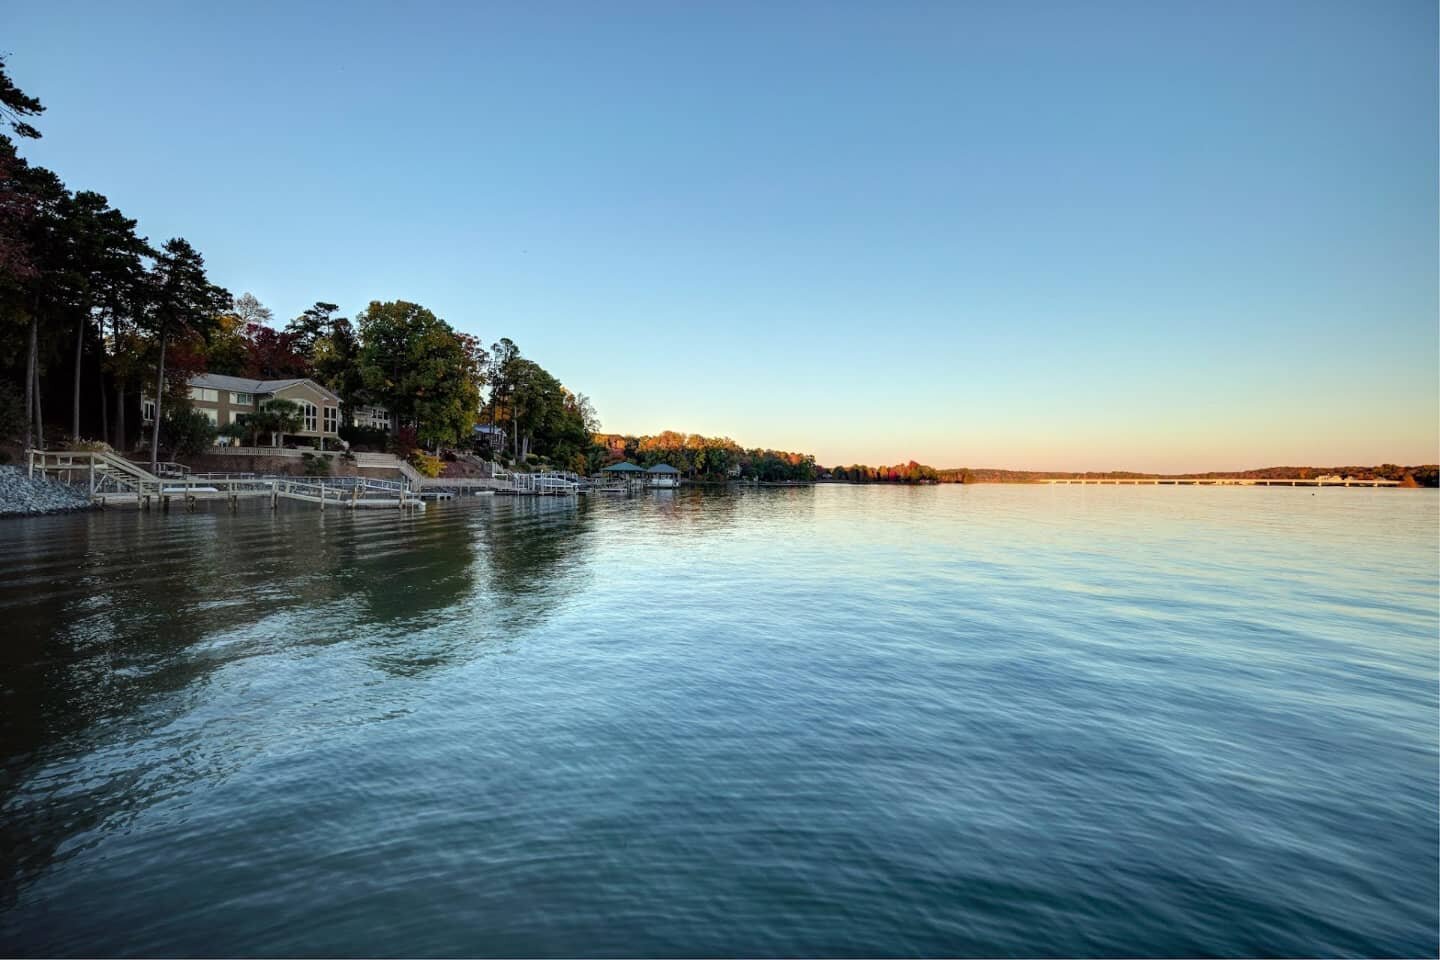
993	720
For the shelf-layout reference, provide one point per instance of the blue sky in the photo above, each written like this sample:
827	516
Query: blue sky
1039	235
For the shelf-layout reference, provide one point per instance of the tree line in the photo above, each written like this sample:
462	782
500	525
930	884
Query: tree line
911	472
699	457
86	299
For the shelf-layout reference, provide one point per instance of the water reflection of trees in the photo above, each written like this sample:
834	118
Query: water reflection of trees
104	613
117	622
537	552
696	510
411	586
407	573
120	625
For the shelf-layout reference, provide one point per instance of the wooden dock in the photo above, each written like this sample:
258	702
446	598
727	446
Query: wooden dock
112	480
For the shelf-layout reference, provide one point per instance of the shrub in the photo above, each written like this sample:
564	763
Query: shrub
185	432
366	438
316	466
90	446
427	465
404	442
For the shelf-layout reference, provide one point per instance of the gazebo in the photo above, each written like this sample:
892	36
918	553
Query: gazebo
663	475
624	468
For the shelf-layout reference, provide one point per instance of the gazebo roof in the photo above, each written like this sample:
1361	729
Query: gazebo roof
624	466
662	468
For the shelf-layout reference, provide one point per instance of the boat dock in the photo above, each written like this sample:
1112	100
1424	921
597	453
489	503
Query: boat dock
113	480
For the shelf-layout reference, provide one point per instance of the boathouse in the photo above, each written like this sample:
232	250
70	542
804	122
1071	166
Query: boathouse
663	476
624	469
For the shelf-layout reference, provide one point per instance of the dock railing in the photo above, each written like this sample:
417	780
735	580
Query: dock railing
108	477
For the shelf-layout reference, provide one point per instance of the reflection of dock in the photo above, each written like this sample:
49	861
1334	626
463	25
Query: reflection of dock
1219	482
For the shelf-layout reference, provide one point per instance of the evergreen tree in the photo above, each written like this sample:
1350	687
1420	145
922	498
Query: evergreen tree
182	300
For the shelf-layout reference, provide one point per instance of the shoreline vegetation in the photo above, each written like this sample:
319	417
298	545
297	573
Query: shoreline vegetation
101	331
715	460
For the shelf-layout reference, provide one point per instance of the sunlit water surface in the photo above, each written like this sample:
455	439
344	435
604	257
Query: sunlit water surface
833	721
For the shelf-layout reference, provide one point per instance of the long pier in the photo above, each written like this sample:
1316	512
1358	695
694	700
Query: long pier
1218	482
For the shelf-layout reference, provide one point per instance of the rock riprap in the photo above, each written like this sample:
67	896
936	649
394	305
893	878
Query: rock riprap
21	494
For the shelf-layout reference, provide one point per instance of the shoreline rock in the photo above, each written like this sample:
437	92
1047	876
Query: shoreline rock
24	496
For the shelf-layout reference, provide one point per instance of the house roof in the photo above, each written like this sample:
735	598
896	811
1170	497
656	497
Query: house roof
488	428
623	467
219	381
662	468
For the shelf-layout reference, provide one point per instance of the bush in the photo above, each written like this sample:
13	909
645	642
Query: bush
404	442
90	446
366	438
316	466
427	465
185	432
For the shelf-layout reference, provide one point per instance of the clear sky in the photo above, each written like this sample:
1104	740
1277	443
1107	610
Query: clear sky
1173	235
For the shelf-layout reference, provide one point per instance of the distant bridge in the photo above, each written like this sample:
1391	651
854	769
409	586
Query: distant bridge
1220	482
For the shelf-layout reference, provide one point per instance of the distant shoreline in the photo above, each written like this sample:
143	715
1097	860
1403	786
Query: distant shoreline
1421	475
1385	475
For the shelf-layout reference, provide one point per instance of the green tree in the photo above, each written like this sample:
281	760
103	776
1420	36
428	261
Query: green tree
503	370
181	300
16	105
32	286
336	360
227	352
186	432
311	326
102	268
413	362
277	418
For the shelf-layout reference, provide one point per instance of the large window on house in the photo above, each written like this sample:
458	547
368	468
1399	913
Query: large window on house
214	415
332	419
308	409
147	410
242	399
201	393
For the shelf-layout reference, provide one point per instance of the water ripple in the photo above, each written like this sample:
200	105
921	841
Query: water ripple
835	721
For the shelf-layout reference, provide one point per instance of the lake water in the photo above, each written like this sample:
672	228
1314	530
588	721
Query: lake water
990	720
